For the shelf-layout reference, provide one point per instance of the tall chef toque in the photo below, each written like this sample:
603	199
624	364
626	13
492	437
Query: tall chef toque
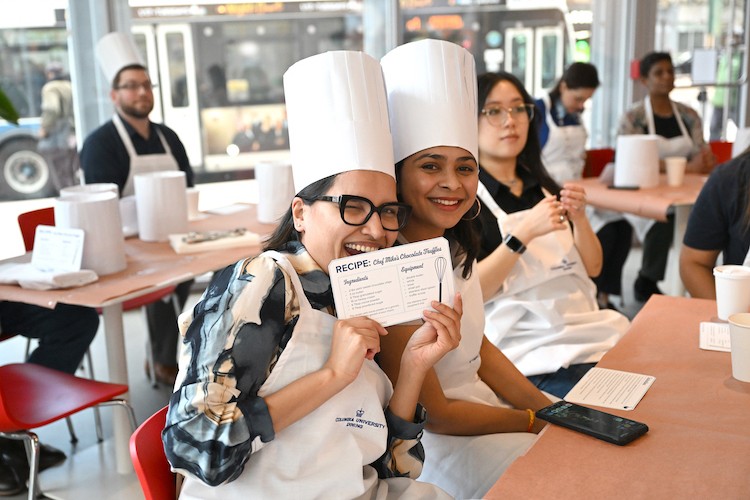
114	51
338	117
432	97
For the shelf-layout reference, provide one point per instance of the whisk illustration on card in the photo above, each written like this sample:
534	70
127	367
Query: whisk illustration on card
440	265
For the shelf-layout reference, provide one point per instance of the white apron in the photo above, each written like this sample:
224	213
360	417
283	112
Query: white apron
468	466
564	153
143	164
747	259
327	453
546	316
681	145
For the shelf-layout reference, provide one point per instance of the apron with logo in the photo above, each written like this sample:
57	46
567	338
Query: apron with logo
143	164
564	154
546	316
326	454
681	145
468	466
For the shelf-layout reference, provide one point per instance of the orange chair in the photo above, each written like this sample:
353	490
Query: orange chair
32	396
596	160
28	222
149	460
722	151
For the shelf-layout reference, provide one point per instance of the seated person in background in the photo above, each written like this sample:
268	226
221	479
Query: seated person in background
719	223
481	406
276	398
681	134
64	335
562	137
131	144
537	252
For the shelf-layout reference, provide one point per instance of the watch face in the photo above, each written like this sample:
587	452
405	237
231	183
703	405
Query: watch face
514	244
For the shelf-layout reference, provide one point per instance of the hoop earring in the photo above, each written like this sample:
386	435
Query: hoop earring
479	210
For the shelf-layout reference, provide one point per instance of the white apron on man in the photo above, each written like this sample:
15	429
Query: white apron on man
681	145
546	316
482	458
296	463
564	153
143	164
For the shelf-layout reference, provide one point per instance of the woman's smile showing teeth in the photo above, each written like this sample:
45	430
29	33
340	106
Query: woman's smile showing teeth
450	204
357	248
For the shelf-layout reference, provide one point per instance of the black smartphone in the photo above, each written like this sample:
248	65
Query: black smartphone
626	188
601	425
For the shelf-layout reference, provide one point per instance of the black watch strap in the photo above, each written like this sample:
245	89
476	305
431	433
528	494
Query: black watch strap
515	245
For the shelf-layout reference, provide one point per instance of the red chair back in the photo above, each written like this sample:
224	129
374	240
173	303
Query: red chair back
596	160
722	150
28	222
150	461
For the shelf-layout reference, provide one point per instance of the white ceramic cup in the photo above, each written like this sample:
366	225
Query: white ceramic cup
193	202
739	339
675	166
732	290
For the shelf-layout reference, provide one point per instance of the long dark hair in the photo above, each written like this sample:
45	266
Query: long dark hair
578	75
285	232
530	157
466	233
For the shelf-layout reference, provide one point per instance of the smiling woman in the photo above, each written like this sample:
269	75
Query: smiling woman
271	381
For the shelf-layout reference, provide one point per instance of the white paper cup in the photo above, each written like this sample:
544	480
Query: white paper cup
739	339
129	215
675	166
161	202
732	290
193	203
275	190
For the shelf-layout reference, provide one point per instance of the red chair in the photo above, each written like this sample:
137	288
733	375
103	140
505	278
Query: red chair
28	222
596	160
722	150
32	396
149	460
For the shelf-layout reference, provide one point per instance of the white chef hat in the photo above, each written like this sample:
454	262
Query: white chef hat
432	97
114	51
338	116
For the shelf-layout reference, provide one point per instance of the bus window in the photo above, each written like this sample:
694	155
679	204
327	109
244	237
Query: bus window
177	70
549	58
519	52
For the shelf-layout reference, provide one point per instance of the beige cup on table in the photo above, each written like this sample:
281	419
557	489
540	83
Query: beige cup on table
732	290
675	166
193	202
739	339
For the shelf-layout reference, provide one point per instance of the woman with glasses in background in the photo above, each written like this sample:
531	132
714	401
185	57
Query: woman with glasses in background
538	250
276	398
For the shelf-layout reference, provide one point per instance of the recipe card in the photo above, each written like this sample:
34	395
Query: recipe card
57	249
393	285
610	389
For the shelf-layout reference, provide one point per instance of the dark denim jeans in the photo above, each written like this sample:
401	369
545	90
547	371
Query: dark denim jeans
562	381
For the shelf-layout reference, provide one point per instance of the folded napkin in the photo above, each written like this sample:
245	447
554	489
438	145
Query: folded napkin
212	240
28	276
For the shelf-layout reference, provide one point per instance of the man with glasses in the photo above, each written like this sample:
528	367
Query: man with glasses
131	144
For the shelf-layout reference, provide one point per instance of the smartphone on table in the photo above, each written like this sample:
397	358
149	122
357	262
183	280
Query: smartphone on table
599	424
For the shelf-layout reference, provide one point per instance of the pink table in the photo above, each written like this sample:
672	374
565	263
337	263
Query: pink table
698	445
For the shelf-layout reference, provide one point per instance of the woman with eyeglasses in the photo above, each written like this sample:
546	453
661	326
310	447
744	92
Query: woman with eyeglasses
481	408
276	398
538	249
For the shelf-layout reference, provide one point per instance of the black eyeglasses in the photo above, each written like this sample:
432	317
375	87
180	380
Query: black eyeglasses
134	86
498	116
356	211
